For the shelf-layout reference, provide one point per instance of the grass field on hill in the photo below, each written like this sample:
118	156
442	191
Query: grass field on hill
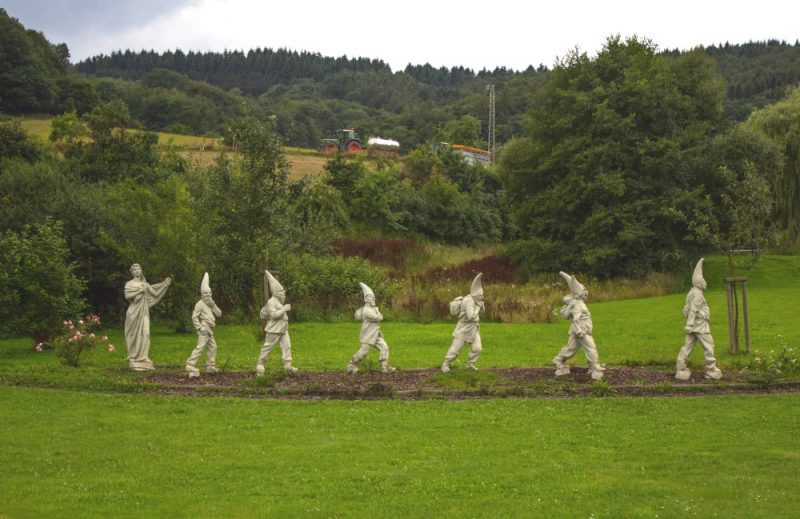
202	151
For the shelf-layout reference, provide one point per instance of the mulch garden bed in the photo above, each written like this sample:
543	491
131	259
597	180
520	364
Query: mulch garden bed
460	384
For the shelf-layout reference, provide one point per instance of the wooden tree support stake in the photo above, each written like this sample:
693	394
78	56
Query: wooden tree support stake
733	313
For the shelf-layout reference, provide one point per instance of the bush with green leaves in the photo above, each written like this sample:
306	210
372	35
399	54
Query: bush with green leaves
39	287
320	286
15	143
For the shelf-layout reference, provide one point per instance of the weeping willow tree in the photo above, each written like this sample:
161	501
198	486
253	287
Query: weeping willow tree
781	123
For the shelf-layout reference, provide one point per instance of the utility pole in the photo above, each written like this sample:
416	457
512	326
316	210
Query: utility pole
491	138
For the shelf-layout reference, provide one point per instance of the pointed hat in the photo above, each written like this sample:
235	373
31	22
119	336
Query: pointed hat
697	276
476	289
574	287
205	287
366	290
274	284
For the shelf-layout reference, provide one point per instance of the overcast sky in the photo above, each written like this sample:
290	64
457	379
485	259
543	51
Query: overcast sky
489	34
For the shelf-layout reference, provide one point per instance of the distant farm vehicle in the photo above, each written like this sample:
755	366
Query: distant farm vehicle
377	147
346	141
470	154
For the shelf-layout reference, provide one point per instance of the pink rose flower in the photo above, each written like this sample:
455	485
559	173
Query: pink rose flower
110	347
105	338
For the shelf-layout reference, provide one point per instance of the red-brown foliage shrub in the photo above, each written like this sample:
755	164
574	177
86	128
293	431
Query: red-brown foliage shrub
496	269
384	251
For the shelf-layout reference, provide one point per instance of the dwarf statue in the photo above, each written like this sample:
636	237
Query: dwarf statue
467	330
580	330
274	312
371	335
204	318
697	329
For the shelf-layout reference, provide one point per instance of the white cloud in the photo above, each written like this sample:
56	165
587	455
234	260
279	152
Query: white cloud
469	33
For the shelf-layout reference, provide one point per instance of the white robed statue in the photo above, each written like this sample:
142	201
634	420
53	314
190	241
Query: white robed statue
141	295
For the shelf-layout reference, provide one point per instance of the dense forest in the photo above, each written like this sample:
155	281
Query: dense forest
630	162
321	89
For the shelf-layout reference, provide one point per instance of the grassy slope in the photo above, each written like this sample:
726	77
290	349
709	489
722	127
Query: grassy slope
304	162
142	456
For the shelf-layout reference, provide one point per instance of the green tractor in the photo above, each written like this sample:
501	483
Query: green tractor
346	141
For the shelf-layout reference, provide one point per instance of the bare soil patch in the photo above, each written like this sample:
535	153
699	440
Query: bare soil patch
430	383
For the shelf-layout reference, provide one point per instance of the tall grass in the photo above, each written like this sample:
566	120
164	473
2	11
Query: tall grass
426	277
535	301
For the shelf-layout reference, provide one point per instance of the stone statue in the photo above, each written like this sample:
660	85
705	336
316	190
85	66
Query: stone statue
467	330
580	331
371	335
141	296
274	312
697	329
204	318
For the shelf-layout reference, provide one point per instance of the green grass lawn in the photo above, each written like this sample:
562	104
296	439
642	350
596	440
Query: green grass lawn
91	446
69	454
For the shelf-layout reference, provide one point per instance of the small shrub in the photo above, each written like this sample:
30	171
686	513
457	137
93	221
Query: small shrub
771	366
77	337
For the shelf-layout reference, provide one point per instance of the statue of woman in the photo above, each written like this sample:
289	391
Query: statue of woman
141	296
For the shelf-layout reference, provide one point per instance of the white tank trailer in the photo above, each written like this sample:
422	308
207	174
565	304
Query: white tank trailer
377	147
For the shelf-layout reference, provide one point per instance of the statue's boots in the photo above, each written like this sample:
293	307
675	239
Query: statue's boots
192	369
561	368
386	368
596	371
289	368
352	368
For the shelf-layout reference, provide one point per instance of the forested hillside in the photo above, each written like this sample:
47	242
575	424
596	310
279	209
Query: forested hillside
318	94
313	95
756	73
